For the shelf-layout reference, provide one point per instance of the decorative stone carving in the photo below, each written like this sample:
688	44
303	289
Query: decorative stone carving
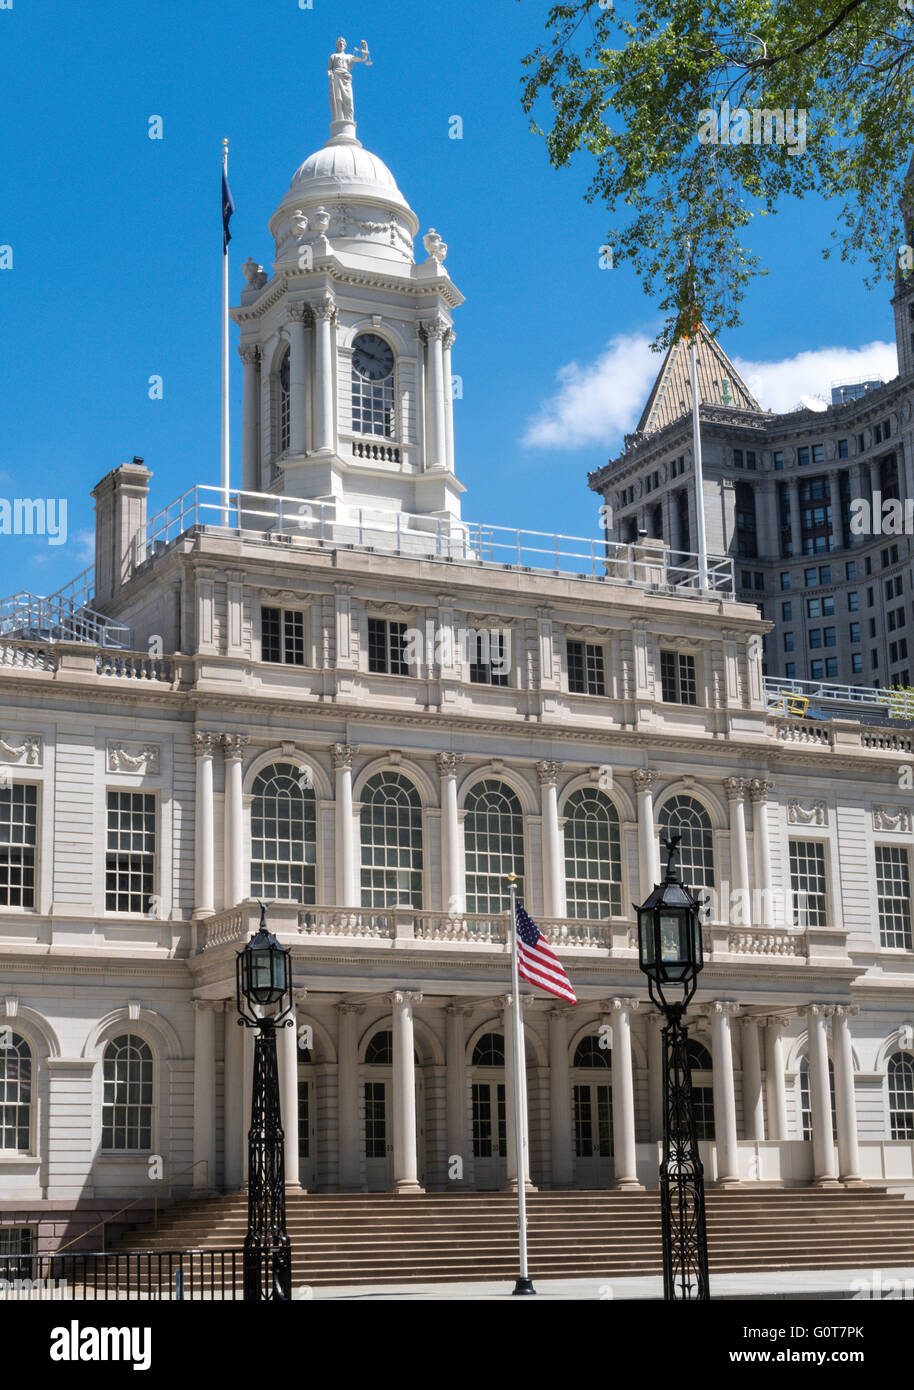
892	818
434	327
255	274
760	789
300	313
299	222
235	745
806	812
339	70
324	308
251	356
29	751
736	788
205	745
141	758
548	772
643	778
448	763
436	248
341	754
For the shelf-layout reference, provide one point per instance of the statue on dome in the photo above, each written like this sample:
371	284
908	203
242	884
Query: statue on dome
339	68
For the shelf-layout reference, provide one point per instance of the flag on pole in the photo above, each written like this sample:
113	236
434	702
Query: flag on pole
537	963
228	207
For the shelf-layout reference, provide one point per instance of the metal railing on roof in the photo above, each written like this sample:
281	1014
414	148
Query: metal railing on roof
794	697
61	617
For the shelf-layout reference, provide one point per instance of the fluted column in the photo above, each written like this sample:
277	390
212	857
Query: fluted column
233	1118
204	885
508	1024
205	1010
237	879
774	1078
436	434
457	1145
753	1106
287	1062
823	1144
736	788
722	1011
324	311
553	867
453	894
625	1167
447	342
655	1026
348	893
648	857
348	1096
845	1096
250	429
296	329
560	1113
406	1158
759	791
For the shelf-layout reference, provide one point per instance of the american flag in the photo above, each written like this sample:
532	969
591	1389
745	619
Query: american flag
537	963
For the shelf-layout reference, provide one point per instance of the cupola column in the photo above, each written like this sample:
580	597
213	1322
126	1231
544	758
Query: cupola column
324	315
250	433
435	330
299	318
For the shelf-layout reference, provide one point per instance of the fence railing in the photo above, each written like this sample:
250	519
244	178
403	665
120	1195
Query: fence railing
157	1275
793	697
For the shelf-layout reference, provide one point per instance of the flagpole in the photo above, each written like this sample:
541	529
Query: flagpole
523	1284
225	359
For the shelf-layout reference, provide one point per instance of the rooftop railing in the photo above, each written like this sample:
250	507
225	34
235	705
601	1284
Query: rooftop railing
801	699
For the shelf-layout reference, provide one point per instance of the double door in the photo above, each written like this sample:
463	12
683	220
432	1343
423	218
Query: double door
593	1133
490	1135
377	1093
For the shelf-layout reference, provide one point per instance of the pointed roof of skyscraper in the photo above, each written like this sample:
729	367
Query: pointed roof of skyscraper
719	383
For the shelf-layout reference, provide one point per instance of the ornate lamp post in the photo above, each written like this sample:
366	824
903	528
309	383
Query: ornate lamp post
670	954
263	980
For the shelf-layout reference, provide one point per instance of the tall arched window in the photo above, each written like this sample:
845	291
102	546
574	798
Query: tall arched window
372	386
806	1104
494	831
593	856
16	1095
391	842
489	1051
702	1089
283	834
901	1095
589	1053
683	815
127	1093
284	403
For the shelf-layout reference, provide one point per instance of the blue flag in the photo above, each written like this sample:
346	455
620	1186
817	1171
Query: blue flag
228	207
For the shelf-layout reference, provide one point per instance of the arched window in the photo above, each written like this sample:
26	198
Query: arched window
391	822
489	1051
683	815
127	1094
283	834
494	831
589	1053
806	1104
16	1095
284	403
702	1089
593	856
380	1050
372	386
901	1095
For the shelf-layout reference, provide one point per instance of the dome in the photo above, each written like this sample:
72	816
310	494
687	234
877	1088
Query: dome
344	163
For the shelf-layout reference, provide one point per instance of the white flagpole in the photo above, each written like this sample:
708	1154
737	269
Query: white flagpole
523	1283
225	361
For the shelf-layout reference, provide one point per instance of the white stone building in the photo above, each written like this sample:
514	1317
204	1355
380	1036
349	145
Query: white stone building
335	694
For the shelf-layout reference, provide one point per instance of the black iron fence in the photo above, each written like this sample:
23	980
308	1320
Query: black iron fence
172	1275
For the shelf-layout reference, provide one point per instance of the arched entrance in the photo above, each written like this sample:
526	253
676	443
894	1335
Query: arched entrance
593	1113
489	1116
377	1092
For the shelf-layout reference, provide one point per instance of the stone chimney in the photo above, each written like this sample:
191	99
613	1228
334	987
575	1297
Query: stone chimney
120	512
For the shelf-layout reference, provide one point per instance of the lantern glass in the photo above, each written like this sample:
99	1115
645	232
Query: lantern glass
264	975
646	937
671	937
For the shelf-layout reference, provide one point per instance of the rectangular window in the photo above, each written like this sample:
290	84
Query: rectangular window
813	608
803	456
586	675
831	668
853	601
854	631
807	880
790	669
857	663
828	634
490	666
282	636
850	569
785	581
787	612
842	448
788	641
818	453
893	891
738	458
17	1248
778	459
18	840
828	606
677	678
385	647
825	574
131	857
817	670
809	578
815	637
750	459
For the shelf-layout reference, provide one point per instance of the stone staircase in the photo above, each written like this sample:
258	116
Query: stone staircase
354	1238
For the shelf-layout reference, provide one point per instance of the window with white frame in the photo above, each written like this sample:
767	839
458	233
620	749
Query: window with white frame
282	636
677	678
593	855
494	831
18	1245
18	841
127	1094
489	658
901	1095
373	378
283	834
391	825
16	1094
808	883
806	1104
131	859
386	641
683	815
586	674
893	893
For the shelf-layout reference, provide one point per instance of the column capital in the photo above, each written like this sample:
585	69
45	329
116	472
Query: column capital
846	1010
618	1005
448	763
775	1020
300	313
448	339
401	997
760	788
347	1008
435	327
458	1010
324	308
342	754
643	778
736	788
548	772
251	356
818	1010
506	1001
718	1007
209	1005
235	745
205	744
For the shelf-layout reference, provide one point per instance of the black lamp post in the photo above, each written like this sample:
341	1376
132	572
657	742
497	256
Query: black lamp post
263	980
670	954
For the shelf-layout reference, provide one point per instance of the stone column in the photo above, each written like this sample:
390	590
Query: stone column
348	1097
724	1092
845	1097
655	1026
508	1024
823	1144
250	408
560	1114
436	434
452	892
204	1175
753	1108
348	893
296	329
447	343
237	878
759	792
324	311
774	1078
456	1083
735	788
553	866
625	1168
406	1159
648	855
204	745
287	1061
234	1131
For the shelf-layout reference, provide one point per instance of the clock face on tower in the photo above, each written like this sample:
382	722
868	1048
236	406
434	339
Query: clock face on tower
372	357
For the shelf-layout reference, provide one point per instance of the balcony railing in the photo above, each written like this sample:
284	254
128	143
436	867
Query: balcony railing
799	698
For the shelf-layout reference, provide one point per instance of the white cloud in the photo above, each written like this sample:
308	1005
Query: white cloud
599	400
778	386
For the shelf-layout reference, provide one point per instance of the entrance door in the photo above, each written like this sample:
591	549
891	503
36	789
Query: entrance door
490	1135
379	1144
307	1130
593	1133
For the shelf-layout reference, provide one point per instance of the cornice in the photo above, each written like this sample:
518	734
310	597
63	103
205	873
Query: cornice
331	268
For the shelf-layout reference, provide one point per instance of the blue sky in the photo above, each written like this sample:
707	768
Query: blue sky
116	249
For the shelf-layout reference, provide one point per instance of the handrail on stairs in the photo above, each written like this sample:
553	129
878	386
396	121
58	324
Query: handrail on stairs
100	1225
